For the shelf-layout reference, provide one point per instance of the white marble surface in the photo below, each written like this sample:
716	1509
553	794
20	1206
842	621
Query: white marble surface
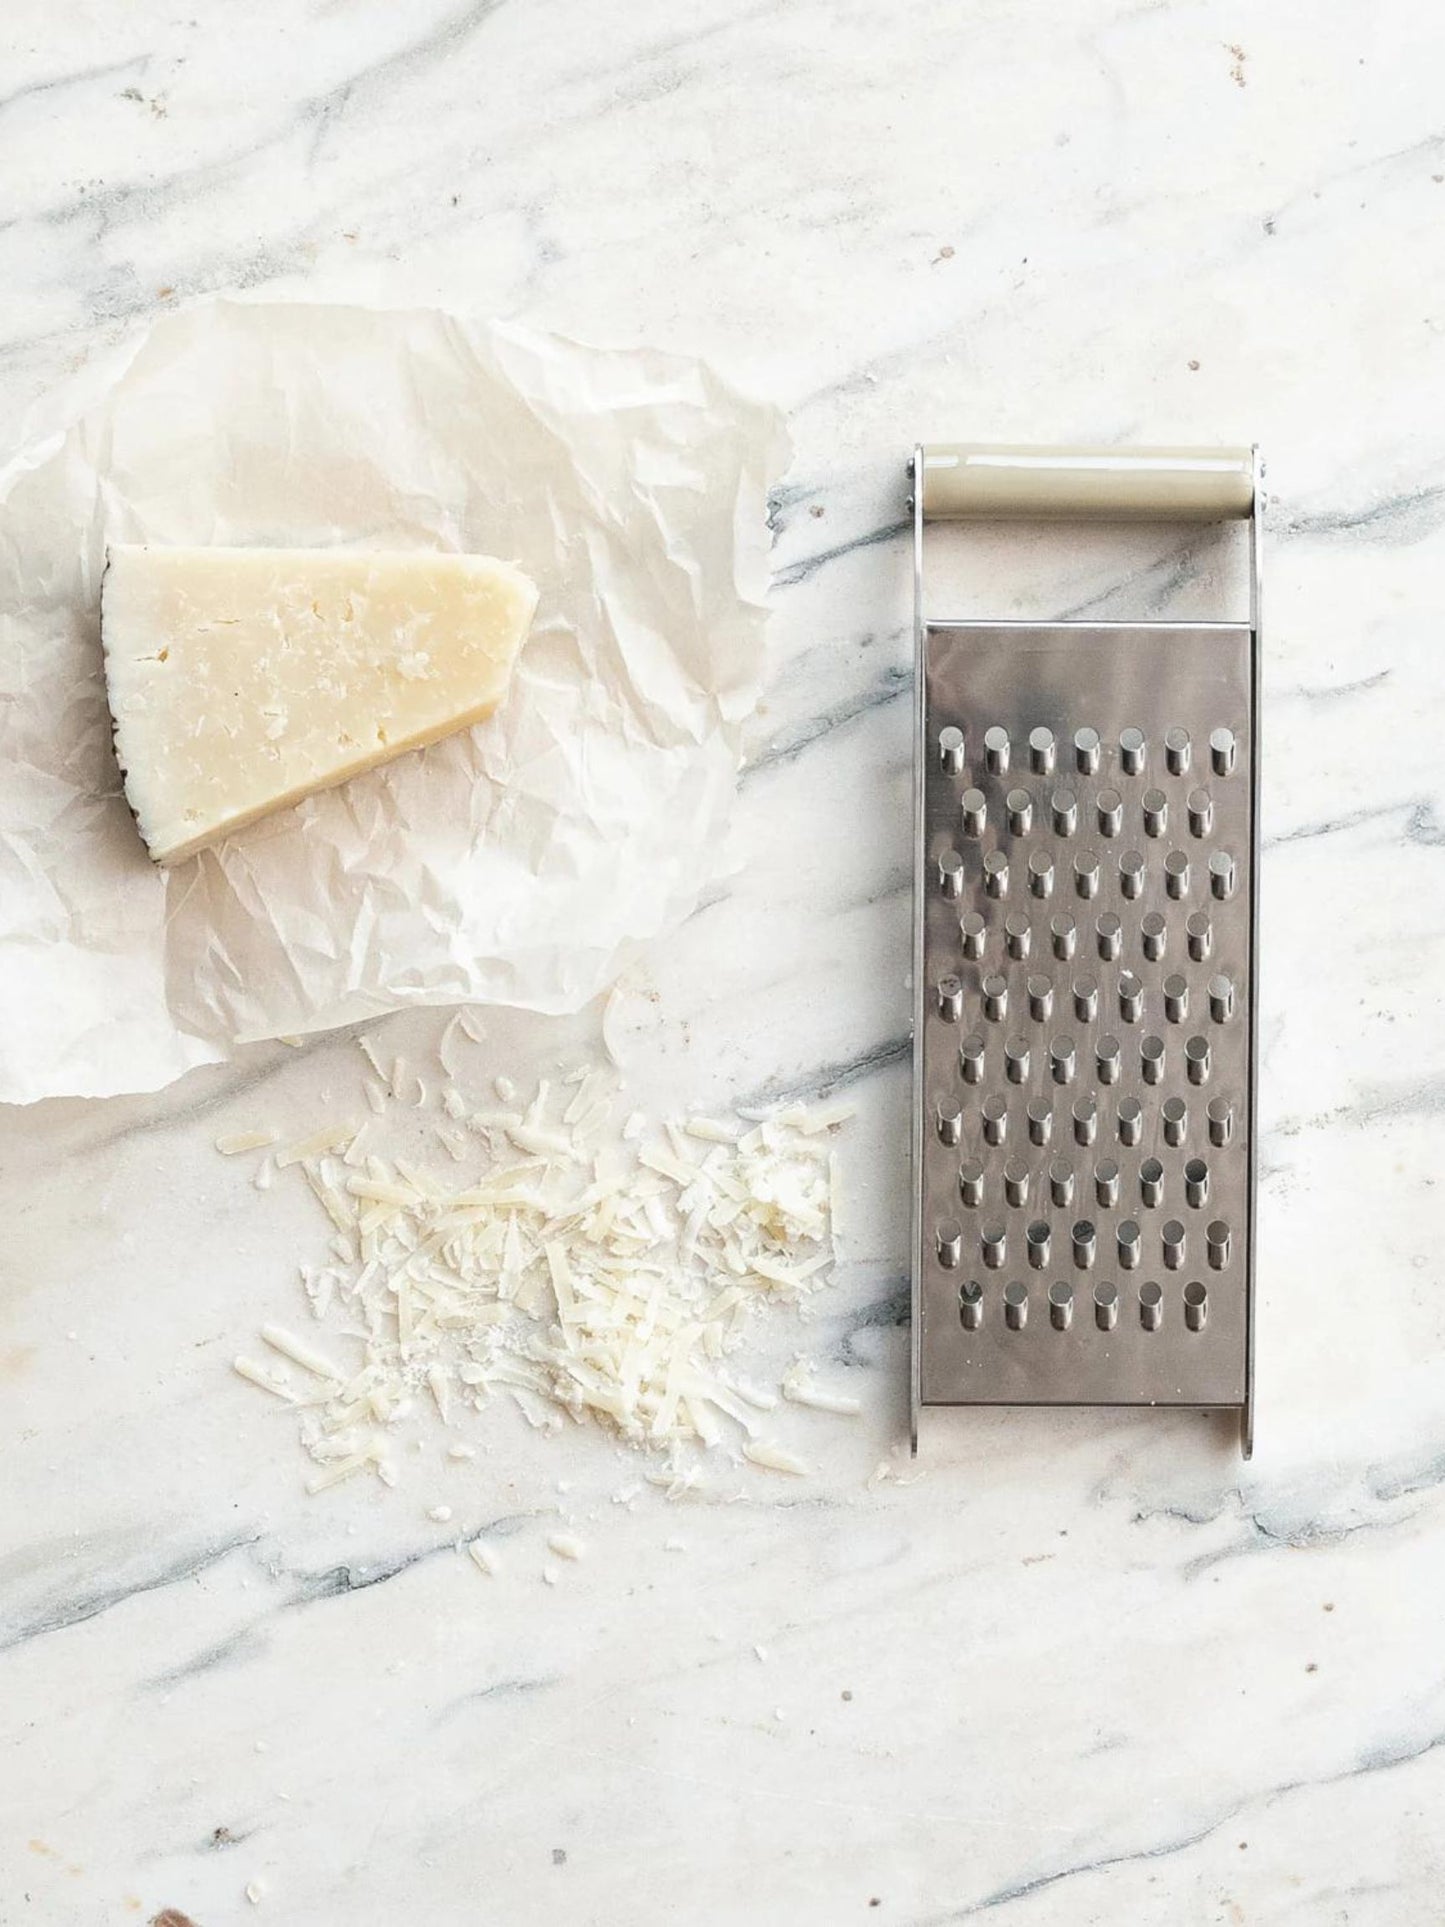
1086	1668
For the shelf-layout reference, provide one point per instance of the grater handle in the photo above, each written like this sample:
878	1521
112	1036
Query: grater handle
975	481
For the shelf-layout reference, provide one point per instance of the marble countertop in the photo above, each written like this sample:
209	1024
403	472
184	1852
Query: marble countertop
1071	1668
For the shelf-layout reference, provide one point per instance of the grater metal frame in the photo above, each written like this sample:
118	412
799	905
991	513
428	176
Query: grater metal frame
1082	485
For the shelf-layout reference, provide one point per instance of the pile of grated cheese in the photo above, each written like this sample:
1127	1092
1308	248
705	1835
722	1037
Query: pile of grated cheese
585	1270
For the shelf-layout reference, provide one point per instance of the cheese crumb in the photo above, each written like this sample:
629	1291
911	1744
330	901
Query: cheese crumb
774	1458
300	1353
240	1141
331	1138
439	1514
566	1546
801	1390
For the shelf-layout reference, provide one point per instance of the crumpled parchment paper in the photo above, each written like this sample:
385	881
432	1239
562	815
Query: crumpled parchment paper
521	862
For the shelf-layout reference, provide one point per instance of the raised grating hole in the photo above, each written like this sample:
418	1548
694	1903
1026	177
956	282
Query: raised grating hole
972	930
1041	874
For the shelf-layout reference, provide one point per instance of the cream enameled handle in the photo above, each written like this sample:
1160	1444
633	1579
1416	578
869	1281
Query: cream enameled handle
967	480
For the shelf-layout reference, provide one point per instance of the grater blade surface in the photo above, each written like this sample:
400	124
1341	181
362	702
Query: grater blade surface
1085	1014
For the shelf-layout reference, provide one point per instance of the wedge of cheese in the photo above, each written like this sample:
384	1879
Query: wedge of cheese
241	680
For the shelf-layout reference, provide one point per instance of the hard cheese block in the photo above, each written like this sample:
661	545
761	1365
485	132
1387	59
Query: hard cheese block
241	680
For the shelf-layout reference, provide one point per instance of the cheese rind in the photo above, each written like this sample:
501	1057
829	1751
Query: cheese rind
242	680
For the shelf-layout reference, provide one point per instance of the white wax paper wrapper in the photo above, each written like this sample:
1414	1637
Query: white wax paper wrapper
521	862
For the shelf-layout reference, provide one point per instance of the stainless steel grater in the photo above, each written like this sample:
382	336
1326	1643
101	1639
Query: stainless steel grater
1084	967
